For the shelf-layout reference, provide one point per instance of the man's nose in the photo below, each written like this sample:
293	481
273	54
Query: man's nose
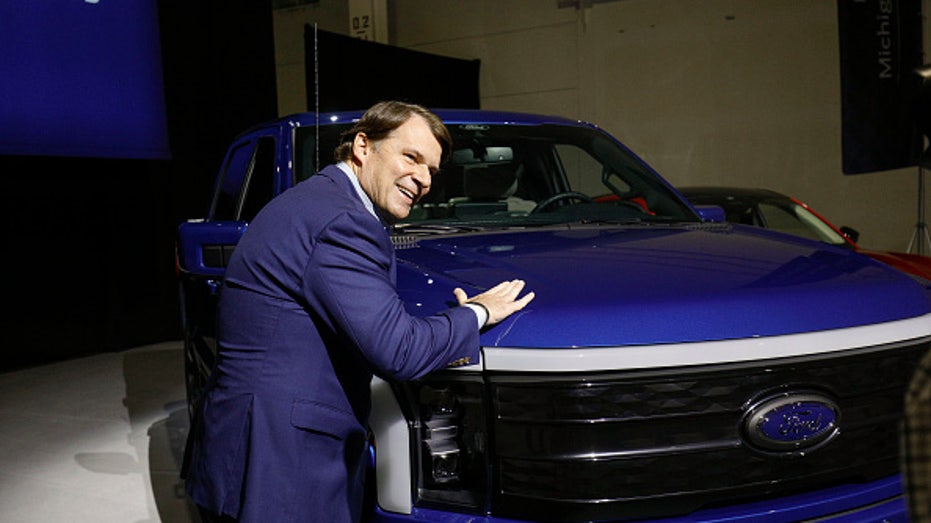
423	177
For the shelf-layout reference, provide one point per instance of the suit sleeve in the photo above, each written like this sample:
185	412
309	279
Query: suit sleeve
349	282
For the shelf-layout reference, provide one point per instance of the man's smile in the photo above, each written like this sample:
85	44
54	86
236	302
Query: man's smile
411	195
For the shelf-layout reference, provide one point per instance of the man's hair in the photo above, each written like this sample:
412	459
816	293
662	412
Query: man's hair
382	118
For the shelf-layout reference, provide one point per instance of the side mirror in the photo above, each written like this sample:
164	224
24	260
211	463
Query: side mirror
711	213
851	233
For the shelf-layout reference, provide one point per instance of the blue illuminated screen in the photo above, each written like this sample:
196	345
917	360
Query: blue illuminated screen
81	78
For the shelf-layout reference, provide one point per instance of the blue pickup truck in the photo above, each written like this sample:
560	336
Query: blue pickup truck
673	367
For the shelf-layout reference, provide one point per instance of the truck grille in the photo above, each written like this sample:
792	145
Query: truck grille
613	445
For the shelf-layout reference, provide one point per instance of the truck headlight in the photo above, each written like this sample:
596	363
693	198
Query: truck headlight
449	432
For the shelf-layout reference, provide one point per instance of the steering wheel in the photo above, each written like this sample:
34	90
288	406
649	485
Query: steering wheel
568	195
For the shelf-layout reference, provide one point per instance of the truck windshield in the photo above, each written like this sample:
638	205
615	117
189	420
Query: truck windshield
534	174
525	175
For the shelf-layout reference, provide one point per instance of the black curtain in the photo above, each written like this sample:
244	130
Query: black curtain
90	241
880	46
346	73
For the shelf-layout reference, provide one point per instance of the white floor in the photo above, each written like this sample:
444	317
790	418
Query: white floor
97	439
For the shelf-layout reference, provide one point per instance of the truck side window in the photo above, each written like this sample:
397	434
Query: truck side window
314	148
259	186
247	180
230	184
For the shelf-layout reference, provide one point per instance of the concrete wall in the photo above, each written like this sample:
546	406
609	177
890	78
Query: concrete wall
726	92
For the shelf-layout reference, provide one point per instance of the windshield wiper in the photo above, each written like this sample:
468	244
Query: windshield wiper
428	229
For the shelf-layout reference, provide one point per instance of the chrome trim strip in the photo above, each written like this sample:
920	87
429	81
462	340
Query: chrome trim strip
580	359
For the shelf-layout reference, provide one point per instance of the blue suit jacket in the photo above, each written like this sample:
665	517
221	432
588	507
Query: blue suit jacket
308	312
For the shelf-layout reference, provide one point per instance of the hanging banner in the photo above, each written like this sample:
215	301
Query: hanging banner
391	73
880	46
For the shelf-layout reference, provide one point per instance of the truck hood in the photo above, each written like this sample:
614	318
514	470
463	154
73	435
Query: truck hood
599	286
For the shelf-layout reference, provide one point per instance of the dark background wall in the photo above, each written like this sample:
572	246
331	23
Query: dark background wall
89	242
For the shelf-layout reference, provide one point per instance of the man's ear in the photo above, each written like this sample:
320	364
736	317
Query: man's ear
360	145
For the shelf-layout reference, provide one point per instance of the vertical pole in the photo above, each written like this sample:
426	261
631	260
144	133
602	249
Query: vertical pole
920	236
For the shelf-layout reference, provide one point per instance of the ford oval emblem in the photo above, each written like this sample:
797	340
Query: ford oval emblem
791	422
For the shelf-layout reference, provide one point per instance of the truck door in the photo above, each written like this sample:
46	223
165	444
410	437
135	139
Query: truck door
245	184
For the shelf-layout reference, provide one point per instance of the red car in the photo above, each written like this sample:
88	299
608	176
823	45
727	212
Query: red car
773	210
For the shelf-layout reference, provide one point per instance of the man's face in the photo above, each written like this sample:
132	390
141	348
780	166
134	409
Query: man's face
396	172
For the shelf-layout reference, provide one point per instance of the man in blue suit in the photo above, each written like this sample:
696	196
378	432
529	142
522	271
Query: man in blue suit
308	313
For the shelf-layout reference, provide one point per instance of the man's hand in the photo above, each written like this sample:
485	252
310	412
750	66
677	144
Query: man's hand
500	301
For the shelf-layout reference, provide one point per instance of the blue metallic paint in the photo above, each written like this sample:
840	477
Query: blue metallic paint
875	501
687	284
